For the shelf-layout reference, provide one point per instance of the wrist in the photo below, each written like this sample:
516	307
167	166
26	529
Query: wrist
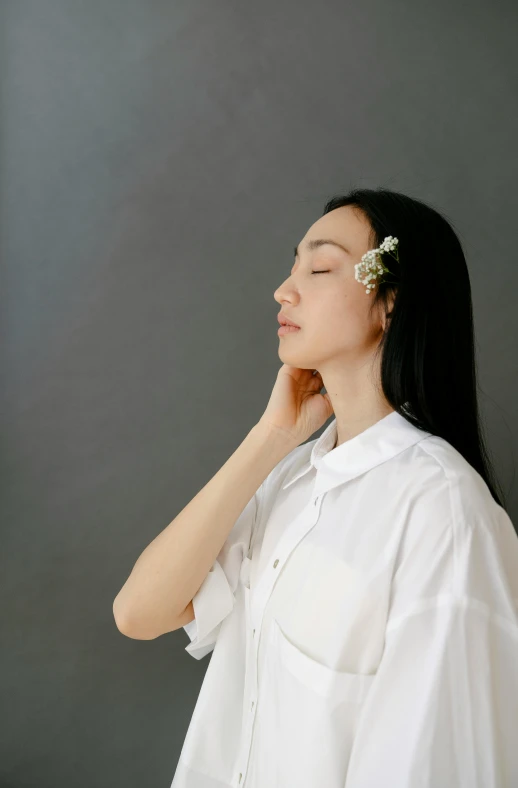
274	435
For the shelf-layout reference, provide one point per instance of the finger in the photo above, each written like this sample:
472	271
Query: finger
316	382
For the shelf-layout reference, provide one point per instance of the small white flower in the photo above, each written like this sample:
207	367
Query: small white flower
372	267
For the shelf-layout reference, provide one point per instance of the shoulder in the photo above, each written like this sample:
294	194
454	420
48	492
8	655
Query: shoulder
444	504
457	544
460	524
463	491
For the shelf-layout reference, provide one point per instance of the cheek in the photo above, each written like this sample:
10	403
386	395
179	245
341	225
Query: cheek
342	319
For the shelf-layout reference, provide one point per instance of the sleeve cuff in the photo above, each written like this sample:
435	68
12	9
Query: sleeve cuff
212	603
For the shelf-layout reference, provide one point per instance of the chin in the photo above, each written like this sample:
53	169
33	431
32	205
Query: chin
299	360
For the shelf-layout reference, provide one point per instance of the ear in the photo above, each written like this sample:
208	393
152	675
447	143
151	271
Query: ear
385	317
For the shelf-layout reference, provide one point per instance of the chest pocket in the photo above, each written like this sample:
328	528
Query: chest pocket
309	714
337	685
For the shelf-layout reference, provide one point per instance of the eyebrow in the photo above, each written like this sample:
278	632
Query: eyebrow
317	242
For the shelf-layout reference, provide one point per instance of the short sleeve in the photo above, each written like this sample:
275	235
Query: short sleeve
443	707
215	598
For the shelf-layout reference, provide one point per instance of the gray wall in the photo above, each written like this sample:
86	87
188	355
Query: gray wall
159	160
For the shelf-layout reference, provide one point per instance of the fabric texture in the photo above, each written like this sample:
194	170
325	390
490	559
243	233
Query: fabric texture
362	620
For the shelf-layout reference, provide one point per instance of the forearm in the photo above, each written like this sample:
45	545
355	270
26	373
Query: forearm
173	566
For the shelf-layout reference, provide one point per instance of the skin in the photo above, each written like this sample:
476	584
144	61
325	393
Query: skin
338	337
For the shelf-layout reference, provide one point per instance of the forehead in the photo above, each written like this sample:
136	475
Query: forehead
346	225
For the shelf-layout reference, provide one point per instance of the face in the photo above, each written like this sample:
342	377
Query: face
331	308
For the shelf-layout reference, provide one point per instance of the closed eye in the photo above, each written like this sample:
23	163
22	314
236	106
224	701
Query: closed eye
320	272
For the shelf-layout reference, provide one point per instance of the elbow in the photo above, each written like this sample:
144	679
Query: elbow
127	625
121	617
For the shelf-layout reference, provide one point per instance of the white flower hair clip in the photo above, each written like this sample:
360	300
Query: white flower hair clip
371	270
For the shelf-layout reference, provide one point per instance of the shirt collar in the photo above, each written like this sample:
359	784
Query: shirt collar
380	442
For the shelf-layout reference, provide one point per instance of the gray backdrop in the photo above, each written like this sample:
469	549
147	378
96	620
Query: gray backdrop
159	160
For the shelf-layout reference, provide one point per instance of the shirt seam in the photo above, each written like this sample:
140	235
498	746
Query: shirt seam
455	518
456	600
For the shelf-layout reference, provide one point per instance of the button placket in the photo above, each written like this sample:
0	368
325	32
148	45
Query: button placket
257	605
247	734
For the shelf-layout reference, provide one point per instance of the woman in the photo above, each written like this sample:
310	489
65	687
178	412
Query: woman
358	591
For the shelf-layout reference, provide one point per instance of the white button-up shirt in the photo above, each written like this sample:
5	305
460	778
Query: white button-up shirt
363	621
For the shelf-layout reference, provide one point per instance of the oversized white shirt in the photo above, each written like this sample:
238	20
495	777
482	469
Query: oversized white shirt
363	621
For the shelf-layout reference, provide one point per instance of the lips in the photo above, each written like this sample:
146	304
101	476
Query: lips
285	321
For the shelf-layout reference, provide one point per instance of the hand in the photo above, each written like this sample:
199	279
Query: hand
296	407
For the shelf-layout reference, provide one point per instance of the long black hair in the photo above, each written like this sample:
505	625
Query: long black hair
428	364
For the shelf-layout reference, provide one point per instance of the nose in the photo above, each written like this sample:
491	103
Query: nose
279	295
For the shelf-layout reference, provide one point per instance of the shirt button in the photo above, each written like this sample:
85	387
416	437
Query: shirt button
253	633
252	706
275	562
